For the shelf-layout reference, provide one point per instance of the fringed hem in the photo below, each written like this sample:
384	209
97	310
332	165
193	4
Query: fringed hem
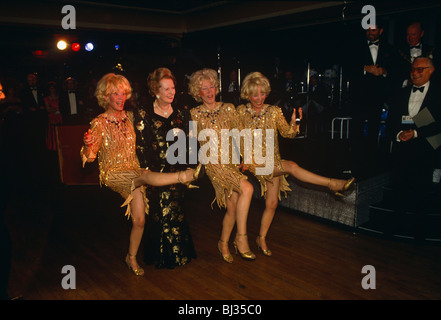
225	179
284	186
130	198
123	182
221	197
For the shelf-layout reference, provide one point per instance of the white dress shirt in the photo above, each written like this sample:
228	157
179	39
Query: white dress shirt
35	94
415	102
73	103
415	52
416	99
374	52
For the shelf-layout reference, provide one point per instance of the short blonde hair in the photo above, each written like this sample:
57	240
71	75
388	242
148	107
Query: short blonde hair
251	82
109	84
195	83
156	76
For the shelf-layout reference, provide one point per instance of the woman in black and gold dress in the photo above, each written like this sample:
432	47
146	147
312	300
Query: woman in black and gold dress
167	240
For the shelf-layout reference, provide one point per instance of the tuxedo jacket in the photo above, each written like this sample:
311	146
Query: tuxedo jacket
369	91
405	60
426	50
28	101
399	107
68	117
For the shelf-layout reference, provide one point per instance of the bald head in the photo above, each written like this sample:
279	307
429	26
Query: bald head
414	33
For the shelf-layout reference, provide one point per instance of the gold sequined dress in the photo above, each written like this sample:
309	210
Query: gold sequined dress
225	177
269	117
114	146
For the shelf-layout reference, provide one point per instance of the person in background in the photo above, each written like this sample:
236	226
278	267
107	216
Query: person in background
54	116
72	103
372	71
414	48
413	156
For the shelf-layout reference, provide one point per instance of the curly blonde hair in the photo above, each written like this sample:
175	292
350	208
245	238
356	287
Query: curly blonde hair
251	82
156	76
109	84
195	83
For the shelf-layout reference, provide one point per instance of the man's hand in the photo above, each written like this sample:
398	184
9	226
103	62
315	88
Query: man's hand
406	135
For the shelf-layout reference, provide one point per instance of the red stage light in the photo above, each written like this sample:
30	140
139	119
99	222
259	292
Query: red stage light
40	53
75	46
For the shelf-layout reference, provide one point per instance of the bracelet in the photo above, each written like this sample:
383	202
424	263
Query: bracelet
179	177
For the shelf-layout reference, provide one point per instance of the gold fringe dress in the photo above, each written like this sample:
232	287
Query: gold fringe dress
270	117
225	177
115	146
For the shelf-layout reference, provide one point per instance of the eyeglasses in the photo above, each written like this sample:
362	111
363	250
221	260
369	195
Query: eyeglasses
418	69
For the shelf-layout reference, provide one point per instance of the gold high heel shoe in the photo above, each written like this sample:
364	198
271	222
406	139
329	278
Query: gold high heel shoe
229	258
249	255
346	186
266	252
139	271
196	173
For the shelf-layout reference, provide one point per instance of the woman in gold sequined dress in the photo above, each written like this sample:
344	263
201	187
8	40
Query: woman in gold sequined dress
258	115
111	138
233	190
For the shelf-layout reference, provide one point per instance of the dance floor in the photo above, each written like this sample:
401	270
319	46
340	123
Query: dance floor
83	227
53	226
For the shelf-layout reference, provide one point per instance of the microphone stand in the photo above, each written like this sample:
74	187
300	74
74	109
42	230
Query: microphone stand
219	71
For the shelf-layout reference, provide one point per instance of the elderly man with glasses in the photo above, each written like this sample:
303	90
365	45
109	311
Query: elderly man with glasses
414	126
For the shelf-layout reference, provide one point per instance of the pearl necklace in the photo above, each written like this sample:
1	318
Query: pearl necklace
158	108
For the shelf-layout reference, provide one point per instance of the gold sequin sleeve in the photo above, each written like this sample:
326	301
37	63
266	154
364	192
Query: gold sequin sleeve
286	130
89	154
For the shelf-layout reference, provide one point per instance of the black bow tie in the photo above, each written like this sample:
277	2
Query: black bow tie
421	89
373	43
71	91
415	47
33	88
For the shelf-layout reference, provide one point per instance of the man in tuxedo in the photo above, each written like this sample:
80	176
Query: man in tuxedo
414	48
32	96
372	71
72	104
414	158
34	117
232	94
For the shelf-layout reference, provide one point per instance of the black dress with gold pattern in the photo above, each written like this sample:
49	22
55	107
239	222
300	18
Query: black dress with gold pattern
167	239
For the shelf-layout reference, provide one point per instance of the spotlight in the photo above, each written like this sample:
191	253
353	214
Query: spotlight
61	45
75	46
116	46
88	46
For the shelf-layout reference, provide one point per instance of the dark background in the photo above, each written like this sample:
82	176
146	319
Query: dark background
318	36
